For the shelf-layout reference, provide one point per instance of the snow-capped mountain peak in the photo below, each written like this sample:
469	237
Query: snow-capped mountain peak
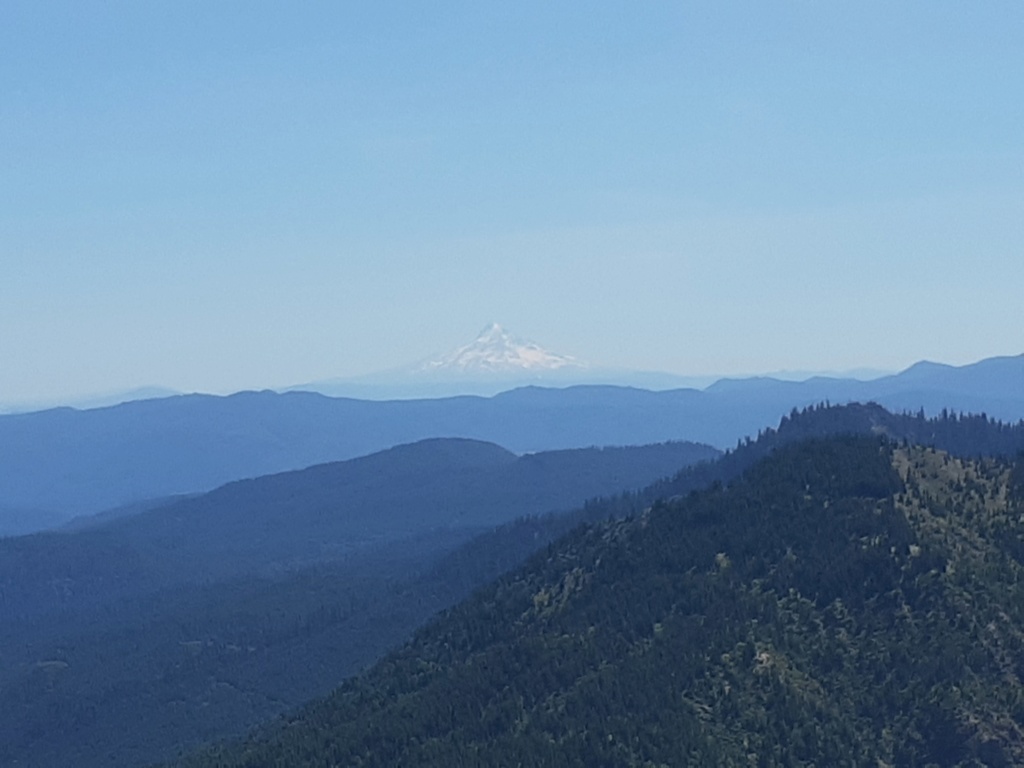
497	351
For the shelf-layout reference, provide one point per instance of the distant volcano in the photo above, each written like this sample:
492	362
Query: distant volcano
495	351
495	361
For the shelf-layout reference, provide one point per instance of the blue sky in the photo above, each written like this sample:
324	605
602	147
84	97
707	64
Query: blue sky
223	195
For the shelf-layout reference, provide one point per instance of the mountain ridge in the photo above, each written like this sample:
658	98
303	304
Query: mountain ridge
179	445
821	610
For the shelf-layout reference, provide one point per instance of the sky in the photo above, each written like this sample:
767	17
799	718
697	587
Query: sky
223	195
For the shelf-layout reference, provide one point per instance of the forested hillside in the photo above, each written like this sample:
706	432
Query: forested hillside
194	620
849	602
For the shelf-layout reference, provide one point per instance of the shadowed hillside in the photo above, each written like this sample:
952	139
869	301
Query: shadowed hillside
197	619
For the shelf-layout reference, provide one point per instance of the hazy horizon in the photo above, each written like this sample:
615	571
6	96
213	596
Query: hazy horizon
400	382
218	197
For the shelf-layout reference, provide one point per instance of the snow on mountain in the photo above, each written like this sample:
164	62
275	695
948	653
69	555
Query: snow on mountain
495	351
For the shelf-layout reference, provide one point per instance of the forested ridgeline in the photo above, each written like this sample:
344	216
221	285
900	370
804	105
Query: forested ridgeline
966	435
848	602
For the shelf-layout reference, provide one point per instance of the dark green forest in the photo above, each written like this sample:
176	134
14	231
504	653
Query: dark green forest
850	601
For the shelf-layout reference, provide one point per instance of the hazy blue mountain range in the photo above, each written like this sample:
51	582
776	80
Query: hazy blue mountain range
197	618
65	462
329	511
90	401
323	513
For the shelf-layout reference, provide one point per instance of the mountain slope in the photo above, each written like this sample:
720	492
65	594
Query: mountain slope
196	620
846	603
325	513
